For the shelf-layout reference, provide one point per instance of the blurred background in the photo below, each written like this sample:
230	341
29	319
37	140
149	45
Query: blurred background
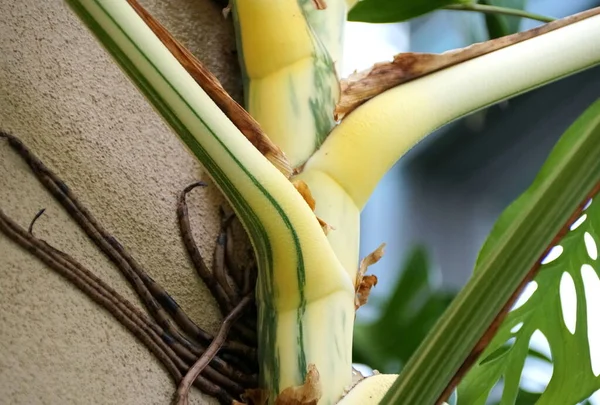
441	200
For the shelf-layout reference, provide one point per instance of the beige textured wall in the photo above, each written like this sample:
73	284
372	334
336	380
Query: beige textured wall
65	98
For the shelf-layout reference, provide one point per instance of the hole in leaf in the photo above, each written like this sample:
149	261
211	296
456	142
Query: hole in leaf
516	328
594	399
539	343
536	375
553	254
579	221
568	301
525	295
591	286
453	398
587	204
496	392
499	352
590	246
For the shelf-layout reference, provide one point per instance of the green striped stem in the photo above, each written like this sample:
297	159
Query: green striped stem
290	81
298	273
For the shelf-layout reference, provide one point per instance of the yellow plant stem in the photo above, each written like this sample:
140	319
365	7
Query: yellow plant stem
371	139
305	298
338	210
363	147
290	82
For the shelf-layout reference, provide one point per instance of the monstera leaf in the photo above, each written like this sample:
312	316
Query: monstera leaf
560	304
513	251
390	11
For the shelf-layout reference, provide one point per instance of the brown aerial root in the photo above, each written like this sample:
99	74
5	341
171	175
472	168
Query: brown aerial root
360	87
182	393
228	363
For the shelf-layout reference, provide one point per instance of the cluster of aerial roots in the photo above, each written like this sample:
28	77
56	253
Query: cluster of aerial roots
222	366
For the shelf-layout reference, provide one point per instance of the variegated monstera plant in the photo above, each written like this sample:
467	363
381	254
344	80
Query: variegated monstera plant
299	178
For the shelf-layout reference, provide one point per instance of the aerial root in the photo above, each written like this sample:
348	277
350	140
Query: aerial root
223	367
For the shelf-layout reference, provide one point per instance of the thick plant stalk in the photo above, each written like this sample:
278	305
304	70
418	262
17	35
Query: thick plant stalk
305	291
362	148
290	83
302	288
328	25
282	81
360	87
379	132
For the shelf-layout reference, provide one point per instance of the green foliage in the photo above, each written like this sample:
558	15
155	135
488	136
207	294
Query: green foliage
502	17
411	310
388	11
543	312
521	235
501	25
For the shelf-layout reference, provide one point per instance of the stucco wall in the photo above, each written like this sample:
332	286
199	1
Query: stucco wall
66	99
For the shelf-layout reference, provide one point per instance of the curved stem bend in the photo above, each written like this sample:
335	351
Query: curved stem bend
369	141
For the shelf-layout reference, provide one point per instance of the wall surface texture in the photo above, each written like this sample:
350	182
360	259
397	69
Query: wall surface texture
64	97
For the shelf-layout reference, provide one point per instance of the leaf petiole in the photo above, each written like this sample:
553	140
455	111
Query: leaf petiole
487	9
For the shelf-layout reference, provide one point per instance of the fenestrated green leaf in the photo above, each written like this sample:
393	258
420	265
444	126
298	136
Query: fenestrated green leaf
525	230
502	25
388	11
572	379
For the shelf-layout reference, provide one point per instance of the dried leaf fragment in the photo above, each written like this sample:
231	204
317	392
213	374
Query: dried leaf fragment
304	191
325	226
364	290
308	393
360	87
370	260
320	4
364	283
